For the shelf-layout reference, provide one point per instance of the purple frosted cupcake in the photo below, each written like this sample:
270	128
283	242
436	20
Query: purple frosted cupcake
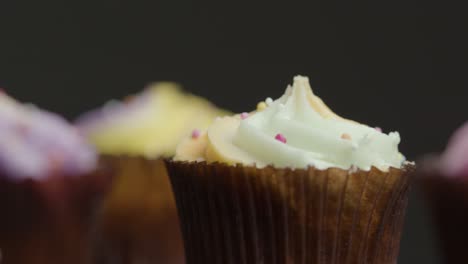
50	182
445	182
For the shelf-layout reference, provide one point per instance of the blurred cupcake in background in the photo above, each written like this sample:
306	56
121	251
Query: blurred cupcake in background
51	185
291	183
444	179
140	218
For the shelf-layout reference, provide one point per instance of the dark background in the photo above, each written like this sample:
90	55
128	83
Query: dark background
398	65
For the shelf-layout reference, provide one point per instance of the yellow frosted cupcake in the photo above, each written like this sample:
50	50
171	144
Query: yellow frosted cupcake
140	217
291	182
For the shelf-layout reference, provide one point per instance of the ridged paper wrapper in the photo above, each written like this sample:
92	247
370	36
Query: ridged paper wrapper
241	214
139	222
51	220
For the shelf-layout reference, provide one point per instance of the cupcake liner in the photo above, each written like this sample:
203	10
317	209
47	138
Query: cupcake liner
238	214
139	221
448	201
50	220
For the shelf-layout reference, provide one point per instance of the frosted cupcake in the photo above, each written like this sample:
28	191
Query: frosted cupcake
290	183
140	219
50	187
445	181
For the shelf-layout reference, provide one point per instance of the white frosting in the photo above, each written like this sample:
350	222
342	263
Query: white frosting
314	136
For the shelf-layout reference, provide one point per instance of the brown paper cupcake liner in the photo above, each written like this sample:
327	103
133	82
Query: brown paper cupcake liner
448	201
50	220
139	222
238	214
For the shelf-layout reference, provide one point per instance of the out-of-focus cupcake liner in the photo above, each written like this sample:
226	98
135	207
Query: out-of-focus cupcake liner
50	220
239	214
448	200
139	221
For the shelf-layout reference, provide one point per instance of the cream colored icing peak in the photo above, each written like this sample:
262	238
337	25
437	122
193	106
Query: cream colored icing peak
315	136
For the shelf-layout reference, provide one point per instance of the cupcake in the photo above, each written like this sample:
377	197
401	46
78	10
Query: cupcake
50	187
444	179
291	182
140	220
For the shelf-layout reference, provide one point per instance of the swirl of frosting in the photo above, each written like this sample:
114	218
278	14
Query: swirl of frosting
152	123
297	130
36	143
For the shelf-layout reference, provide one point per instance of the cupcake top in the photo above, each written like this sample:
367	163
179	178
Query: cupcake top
297	130
36	144
150	123
454	161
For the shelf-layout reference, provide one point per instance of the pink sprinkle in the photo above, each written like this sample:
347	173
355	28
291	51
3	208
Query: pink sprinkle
195	133
378	129
244	115
2	91
280	137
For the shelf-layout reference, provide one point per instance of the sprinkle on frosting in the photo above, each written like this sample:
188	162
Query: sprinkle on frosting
315	137
346	136
269	101
261	106
280	137
244	115
378	129
195	133
36	143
